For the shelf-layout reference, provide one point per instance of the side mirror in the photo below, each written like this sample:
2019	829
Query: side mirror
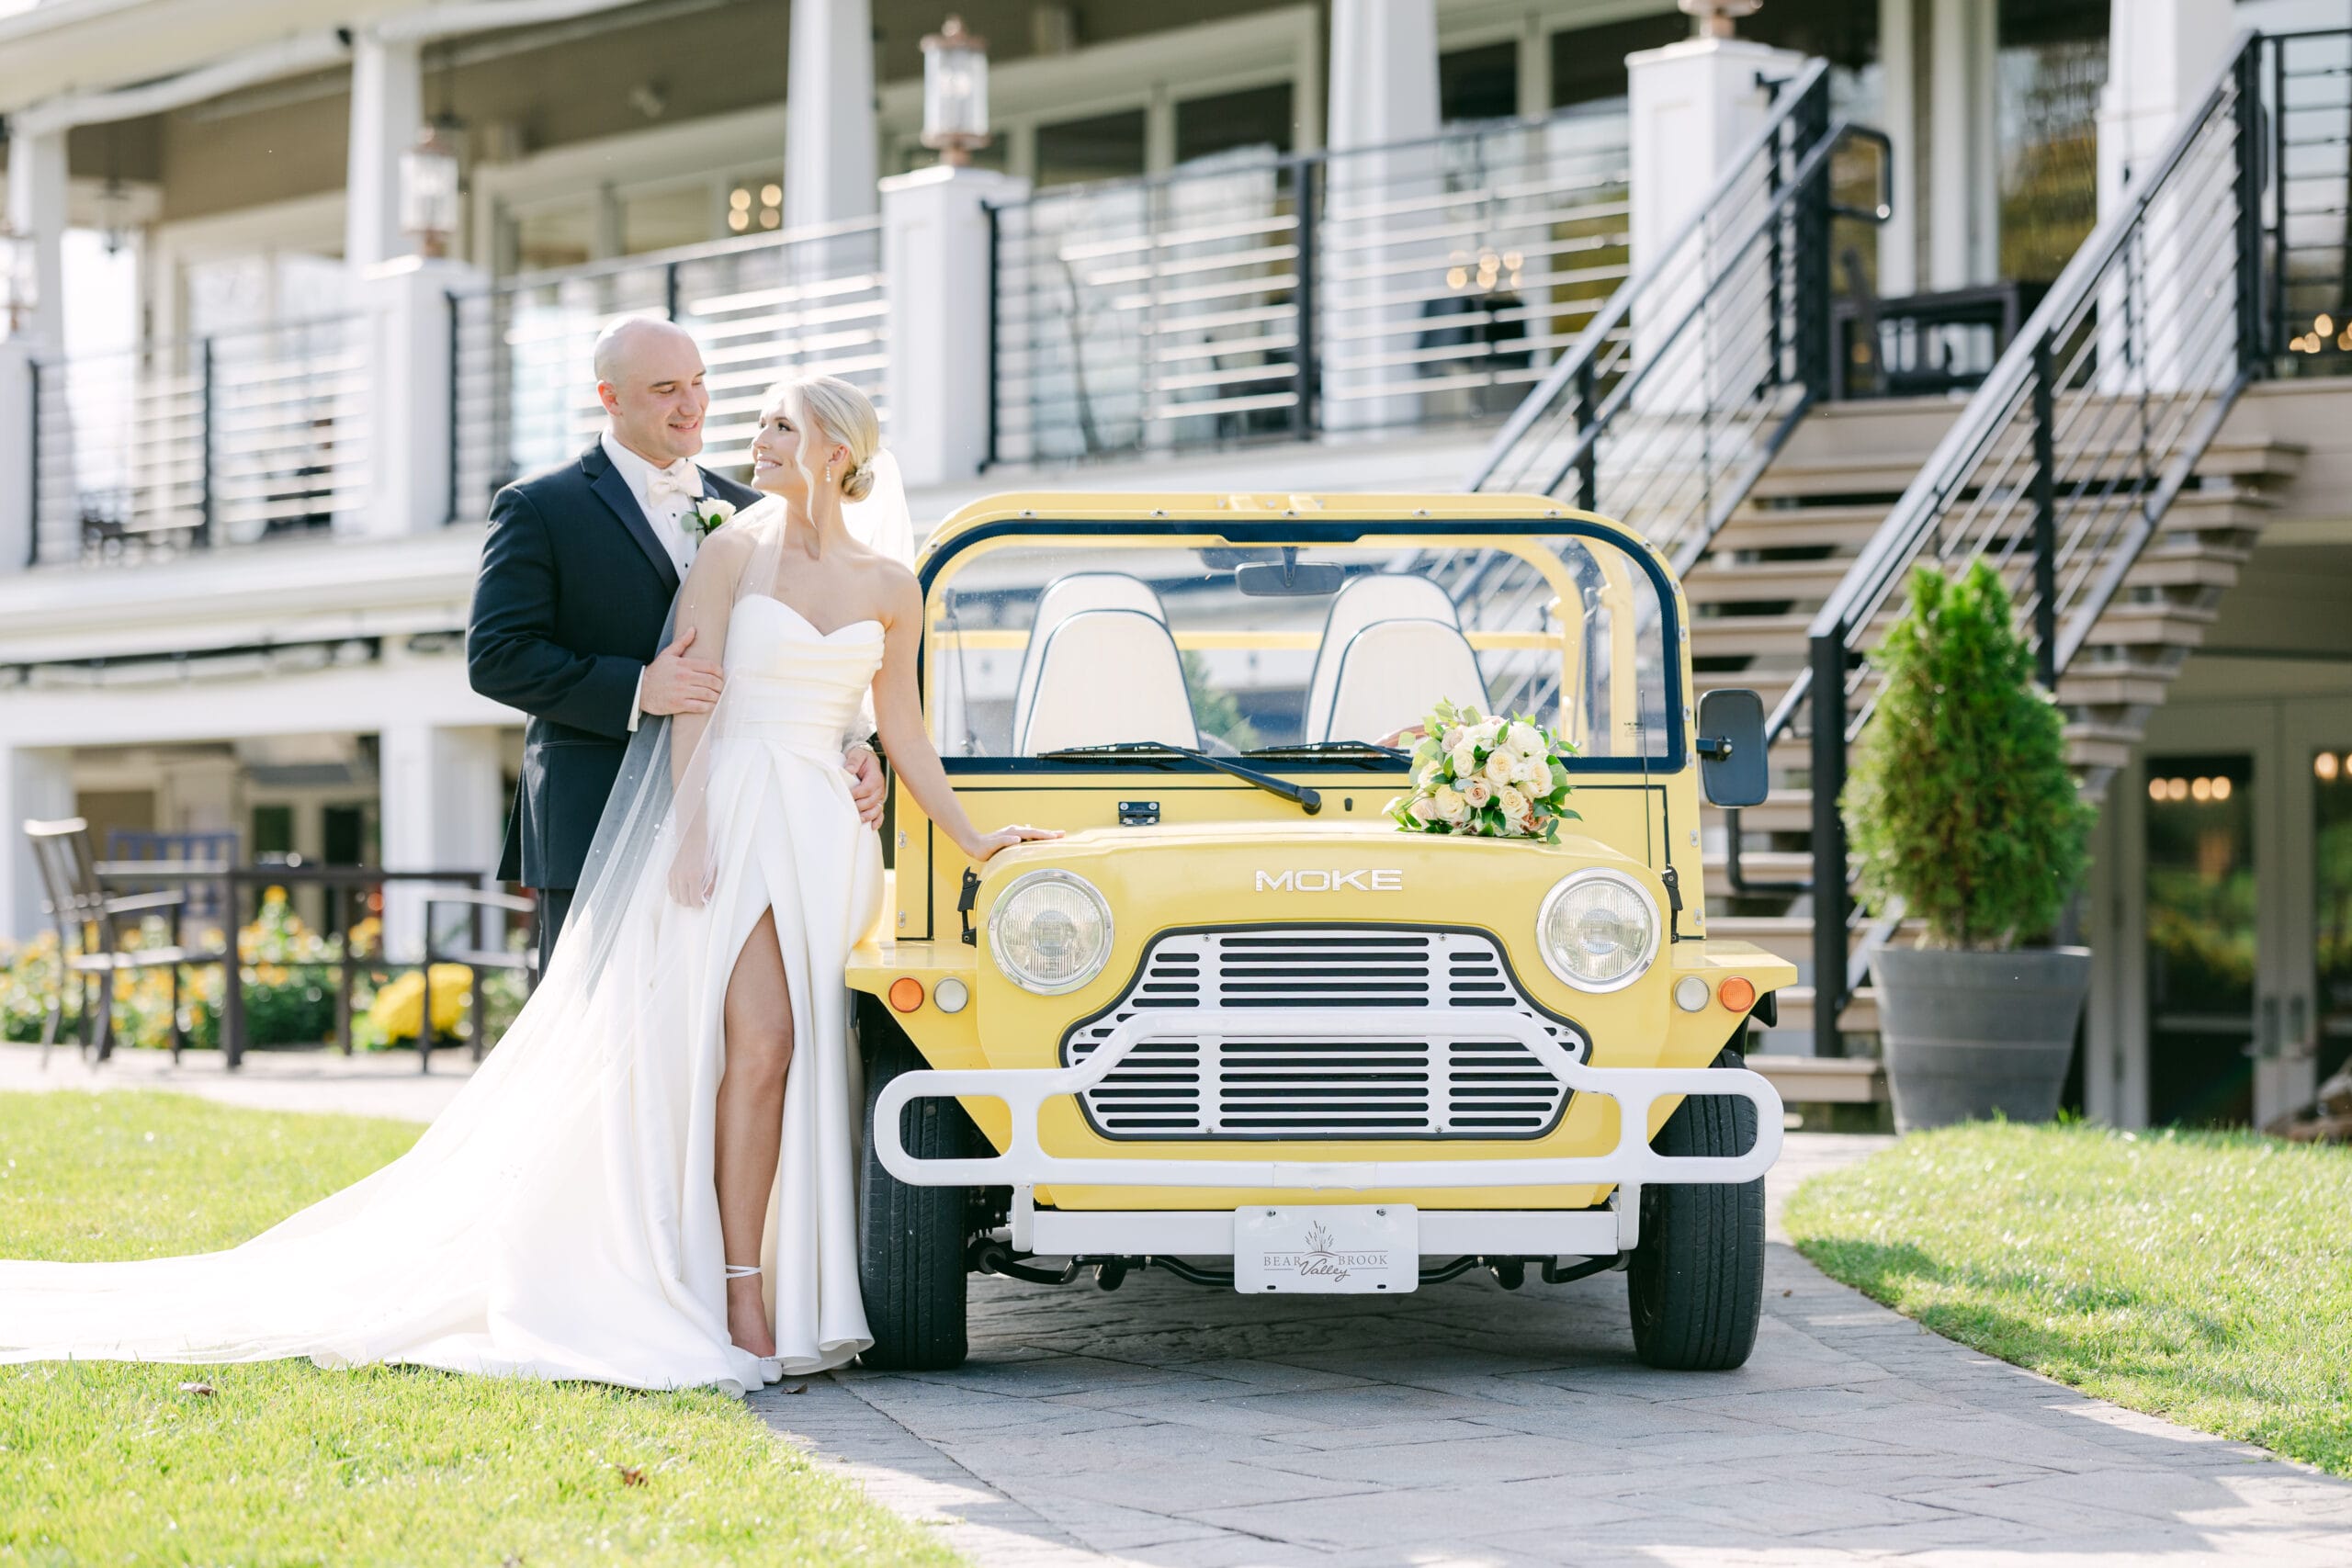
1732	761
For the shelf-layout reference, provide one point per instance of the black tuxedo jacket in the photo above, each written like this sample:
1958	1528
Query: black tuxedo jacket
567	611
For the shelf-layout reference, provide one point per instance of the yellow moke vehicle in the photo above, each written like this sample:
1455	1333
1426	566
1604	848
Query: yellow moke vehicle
1238	1024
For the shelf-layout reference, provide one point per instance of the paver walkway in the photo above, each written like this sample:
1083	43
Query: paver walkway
1184	1428
1177	1427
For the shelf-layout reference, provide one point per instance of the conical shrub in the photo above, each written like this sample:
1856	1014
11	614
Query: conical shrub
1961	803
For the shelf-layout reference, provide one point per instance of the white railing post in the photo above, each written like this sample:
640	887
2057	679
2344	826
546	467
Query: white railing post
935	264
1693	108
406	311
37	187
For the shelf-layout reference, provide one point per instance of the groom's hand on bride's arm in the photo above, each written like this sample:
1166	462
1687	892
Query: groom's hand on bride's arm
677	682
867	786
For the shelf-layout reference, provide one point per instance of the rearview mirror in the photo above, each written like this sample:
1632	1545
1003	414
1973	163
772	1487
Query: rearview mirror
1732	761
1290	578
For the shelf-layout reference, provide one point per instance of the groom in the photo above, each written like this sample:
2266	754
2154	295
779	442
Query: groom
576	580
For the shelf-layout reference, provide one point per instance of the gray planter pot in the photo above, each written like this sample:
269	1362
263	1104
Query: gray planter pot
1968	1035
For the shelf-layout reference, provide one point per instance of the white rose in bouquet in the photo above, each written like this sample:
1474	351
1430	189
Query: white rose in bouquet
1534	776
1525	739
1463	761
1453	738
1450	806
1513	802
1423	809
1478	792
1500	769
1484	736
1426	779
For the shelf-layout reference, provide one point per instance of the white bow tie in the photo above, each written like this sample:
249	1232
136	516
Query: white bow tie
678	481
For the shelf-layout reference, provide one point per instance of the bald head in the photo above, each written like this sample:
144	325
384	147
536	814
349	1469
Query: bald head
650	378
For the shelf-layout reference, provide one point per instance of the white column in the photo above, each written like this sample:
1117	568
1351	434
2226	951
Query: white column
1898	237
828	125
37	207
2161	54
407	306
1962	166
16	519
387	110
439	810
36	783
935	261
1692	106
1383	90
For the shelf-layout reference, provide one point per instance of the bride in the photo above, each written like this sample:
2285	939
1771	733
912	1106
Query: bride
651	1182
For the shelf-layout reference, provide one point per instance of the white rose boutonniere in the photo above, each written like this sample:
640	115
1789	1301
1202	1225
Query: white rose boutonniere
708	513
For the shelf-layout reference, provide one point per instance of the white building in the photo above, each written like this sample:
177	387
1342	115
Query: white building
246	438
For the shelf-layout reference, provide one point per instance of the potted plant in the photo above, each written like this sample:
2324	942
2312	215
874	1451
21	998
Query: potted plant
1963	809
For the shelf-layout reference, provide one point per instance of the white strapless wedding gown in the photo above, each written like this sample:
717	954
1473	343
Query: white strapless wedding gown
558	1220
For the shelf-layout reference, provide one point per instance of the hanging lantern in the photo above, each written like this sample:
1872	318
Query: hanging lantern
954	92
429	192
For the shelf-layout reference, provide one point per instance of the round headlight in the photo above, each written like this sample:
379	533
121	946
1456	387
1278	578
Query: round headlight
1050	931
1598	930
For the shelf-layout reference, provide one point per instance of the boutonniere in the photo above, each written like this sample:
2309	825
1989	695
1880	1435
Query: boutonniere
707	513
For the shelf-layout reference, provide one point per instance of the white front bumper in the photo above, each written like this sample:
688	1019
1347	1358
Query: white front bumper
1628	1166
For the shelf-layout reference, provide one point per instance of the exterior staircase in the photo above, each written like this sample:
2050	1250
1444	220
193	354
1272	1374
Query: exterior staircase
1784	551
2087	467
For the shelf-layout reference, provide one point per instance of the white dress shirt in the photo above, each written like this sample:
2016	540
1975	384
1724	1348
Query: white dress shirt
666	515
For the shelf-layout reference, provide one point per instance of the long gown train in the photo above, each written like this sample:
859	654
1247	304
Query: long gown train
558	1220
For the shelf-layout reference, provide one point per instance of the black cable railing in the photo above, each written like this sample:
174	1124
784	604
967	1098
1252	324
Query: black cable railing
1679	391
523	389
2062	468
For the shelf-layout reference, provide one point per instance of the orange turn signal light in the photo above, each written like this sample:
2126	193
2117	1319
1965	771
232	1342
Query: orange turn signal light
906	993
1738	993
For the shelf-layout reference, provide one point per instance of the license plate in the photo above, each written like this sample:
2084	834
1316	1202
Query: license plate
1359	1248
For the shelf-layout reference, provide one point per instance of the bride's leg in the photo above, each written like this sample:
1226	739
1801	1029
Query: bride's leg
758	1020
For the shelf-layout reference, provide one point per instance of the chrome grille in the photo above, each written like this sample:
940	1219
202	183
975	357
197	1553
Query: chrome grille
1450	1084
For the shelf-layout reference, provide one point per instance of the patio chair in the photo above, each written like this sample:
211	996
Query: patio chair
91	926
484	952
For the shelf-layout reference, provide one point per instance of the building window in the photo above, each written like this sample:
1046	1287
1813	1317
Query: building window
1256	117
1589	63
1103	147
2047	74
1478	84
552	237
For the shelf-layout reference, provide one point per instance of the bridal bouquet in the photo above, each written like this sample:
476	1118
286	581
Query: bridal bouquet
1485	776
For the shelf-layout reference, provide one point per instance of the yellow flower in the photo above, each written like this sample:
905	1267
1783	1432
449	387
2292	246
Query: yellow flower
399	1002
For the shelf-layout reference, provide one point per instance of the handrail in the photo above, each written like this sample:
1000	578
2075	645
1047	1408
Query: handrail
1880	568
1612	316
2062	467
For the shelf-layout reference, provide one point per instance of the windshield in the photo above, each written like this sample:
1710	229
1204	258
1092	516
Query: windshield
1306	654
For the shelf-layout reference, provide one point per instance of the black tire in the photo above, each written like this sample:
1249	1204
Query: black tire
911	1252
1695	1285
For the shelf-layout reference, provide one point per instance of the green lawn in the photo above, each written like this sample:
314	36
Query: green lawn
2205	1277
287	1463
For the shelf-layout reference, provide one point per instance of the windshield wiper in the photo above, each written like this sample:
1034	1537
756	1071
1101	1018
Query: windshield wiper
1360	751
1310	801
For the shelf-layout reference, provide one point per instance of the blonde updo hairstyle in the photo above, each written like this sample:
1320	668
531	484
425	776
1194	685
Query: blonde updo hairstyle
844	414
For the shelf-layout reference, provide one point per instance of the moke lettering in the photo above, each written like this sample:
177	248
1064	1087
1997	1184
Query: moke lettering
1385	881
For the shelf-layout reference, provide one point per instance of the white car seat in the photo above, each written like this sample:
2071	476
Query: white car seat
1071	595
1392	672
1367	601
1105	676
